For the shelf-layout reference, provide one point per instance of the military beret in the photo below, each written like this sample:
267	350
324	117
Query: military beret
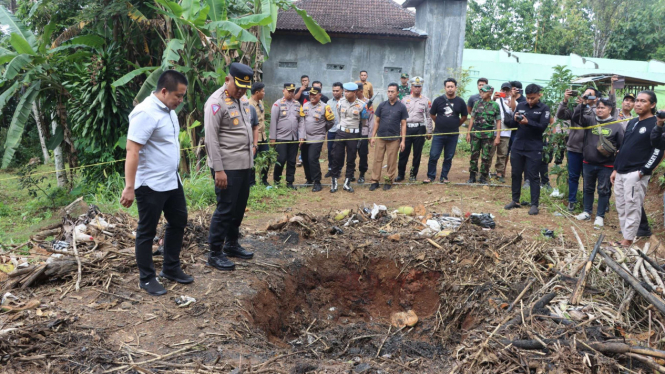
314	91
242	74
290	86
487	88
350	86
404	75
417	81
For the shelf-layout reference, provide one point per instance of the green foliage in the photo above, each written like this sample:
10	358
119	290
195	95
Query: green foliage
265	160
463	147
99	114
32	183
19	120
463	78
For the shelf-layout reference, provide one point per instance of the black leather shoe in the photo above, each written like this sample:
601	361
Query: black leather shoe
644	233
399	178
291	186
309	182
387	186
219	261
236	250
512	205
533	210
177	276
317	187
327	174
361	178
374	186
153	287
352	179
159	251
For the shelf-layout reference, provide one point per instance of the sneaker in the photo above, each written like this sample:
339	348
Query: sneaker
571	207
219	261
177	276
153	287
512	205
374	186
599	222
533	211
584	216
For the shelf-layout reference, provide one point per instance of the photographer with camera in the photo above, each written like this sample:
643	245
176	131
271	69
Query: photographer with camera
599	151
532	119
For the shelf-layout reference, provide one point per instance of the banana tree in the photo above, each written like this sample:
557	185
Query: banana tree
31	70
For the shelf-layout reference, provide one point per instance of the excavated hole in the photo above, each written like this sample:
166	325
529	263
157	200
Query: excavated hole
336	292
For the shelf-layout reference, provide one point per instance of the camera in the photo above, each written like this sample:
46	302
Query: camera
660	114
519	117
574	93
589	97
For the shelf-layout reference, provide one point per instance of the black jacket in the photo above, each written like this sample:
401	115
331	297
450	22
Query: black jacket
613	133
657	140
636	152
529	137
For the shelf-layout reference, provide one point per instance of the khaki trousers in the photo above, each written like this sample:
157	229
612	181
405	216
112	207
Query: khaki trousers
388	149
501	156
629	192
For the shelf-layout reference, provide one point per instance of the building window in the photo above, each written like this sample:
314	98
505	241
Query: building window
474	73
389	69
288	64
334	67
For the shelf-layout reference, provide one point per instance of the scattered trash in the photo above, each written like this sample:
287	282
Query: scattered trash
434	225
6	297
336	231
378	211
394	237
404	319
456	212
556	193
548	233
406	210
557	214
60	245
343	214
184	301
484	220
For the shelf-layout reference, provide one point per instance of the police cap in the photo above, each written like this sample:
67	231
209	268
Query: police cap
350	86
290	86
629	96
417	81
242	75
314	91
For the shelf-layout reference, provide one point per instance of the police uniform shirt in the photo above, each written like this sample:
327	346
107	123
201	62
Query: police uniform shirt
418	109
350	114
332	103
529	137
318	119
228	132
261	114
285	120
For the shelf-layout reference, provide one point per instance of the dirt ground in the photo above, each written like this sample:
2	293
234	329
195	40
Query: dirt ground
314	301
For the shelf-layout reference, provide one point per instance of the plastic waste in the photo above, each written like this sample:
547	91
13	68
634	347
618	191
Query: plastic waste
556	193
376	210
484	220
184	301
548	233
434	225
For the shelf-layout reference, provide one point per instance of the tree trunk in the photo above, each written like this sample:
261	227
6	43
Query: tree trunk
40	129
60	172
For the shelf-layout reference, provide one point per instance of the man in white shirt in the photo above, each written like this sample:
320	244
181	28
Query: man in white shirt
151	176
507	103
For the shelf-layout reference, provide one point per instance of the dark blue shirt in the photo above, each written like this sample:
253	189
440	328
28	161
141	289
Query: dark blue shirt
529	137
390	119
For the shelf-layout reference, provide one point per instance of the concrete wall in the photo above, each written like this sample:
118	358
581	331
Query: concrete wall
376	56
445	23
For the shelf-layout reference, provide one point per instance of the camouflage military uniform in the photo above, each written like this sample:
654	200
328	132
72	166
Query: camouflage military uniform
403	91
485	114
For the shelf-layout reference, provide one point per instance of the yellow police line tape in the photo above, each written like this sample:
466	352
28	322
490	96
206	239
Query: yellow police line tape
321	141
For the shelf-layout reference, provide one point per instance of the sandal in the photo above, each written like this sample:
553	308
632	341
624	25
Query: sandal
426	181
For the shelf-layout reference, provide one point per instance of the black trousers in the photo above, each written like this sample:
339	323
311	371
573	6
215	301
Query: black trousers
529	163
231	204
417	142
263	147
342	147
151	204
310	161
286	155
363	153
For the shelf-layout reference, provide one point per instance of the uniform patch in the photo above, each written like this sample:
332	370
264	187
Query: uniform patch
284	113
247	110
235	122
215	109
643	130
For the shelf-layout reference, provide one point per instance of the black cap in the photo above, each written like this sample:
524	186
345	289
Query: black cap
516	84
506	85
629	96
242	74
314	91
290	86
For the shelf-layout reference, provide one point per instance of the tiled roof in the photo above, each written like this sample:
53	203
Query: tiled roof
369	17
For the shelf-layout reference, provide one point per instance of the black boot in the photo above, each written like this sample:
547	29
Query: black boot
234	249
361	178
347	185
472	178
177	275
218	260
317	187
327	174
399	178
482	179
333	185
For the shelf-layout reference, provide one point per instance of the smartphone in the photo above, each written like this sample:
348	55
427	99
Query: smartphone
502	94
620	83
574	93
